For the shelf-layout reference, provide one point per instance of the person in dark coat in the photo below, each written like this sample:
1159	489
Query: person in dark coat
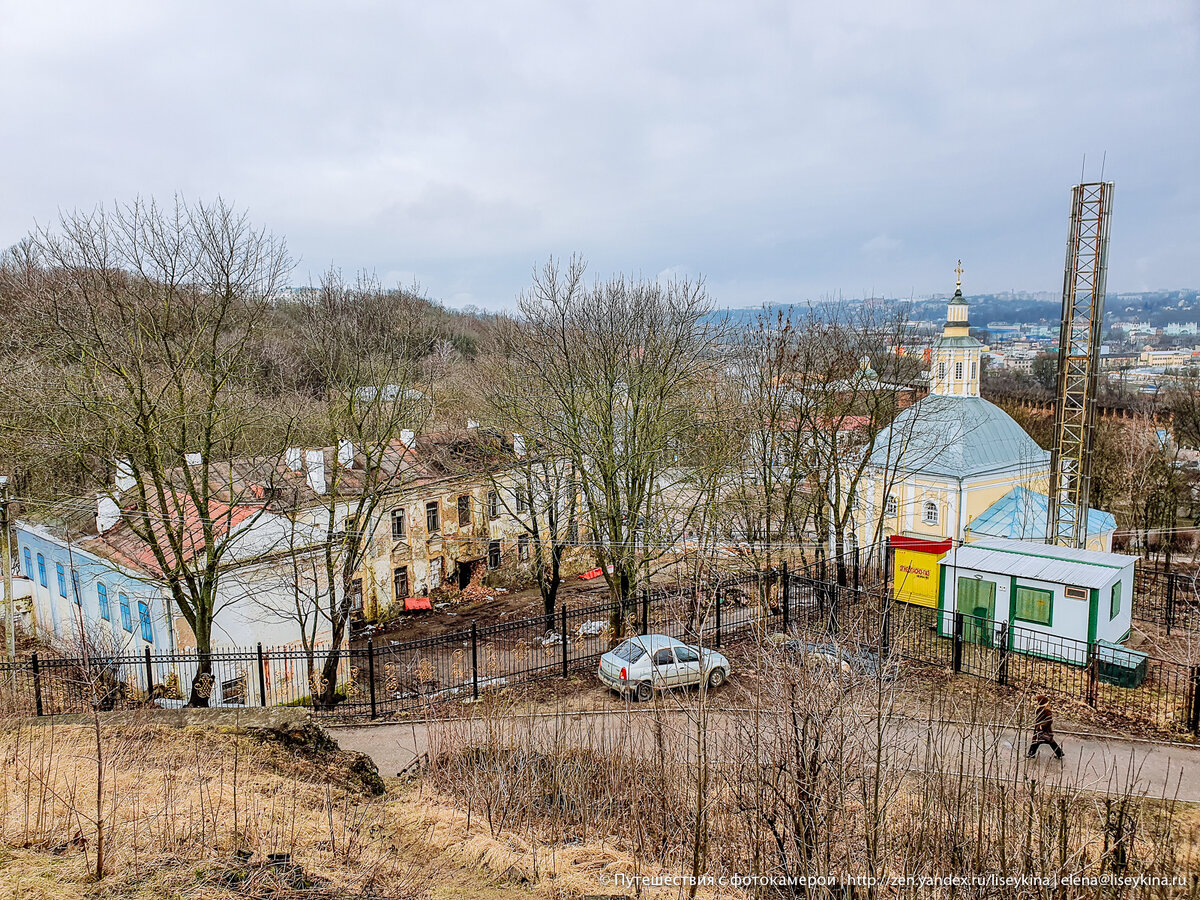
1043	728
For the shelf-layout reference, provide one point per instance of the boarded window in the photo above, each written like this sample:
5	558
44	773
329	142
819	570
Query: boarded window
1114	601
1034	605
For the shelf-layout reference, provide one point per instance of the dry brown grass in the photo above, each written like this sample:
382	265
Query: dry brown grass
179	805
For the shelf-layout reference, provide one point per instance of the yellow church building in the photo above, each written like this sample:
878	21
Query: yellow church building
955	466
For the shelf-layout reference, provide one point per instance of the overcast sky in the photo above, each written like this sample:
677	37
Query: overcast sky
786	151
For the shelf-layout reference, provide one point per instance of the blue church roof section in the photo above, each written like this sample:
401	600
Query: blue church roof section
1021	515
957	437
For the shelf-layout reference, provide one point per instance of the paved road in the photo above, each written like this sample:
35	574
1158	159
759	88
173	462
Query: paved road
1093	762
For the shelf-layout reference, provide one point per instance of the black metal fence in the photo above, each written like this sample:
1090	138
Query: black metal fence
379	680
1136	689
1170	598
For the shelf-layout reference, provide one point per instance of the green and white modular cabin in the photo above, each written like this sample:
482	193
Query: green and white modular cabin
1052	601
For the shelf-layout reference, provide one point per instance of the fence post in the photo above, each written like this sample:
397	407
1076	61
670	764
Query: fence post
149	675
787	597
371	673
563	609
645	611
718	617
1002	671
262	677
1170	601
956	653
1194	712
885	643
1093	674
37	684
474	659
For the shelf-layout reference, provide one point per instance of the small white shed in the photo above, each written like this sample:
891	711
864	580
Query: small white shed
1052	601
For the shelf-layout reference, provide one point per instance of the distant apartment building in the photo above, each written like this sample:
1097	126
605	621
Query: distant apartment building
1175	358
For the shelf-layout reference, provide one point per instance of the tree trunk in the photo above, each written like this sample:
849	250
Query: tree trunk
202	681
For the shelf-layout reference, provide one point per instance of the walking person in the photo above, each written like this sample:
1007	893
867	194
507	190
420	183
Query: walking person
1043	728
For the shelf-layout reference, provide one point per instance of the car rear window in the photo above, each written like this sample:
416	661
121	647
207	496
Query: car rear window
629	651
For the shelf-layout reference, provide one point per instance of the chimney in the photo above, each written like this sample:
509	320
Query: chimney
518	444
408	437
345	454
295	458
123	479
108	514
193	459
315	460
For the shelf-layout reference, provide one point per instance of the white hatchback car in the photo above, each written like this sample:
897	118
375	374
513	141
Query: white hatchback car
646	662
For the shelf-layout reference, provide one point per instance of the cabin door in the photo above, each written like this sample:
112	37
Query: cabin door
977	603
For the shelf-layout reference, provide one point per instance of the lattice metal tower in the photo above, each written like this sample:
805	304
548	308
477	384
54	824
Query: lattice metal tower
1078	362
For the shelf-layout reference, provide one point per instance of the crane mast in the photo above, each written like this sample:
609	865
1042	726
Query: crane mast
1078	362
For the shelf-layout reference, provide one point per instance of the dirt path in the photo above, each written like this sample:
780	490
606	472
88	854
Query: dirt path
1093	762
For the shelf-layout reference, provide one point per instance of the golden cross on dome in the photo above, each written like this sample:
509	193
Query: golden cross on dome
958	270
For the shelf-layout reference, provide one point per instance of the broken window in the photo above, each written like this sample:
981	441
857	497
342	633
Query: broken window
399	529
523	548
464	509
494	555
400	583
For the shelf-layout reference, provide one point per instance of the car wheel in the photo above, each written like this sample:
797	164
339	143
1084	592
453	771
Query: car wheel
716	678
643	692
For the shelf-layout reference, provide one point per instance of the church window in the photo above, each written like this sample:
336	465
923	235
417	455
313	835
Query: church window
941	370
929	514
974	371
958	371
890	507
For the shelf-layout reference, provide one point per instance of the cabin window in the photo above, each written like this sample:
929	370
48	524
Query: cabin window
433	520
1034	605
464	509
929	514
399	528
1114	601
890	508
102	599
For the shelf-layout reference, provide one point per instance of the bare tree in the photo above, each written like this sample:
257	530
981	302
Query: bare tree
153	312
367	367
610	373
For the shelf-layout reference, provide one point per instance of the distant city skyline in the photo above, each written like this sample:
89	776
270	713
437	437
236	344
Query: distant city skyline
786	152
